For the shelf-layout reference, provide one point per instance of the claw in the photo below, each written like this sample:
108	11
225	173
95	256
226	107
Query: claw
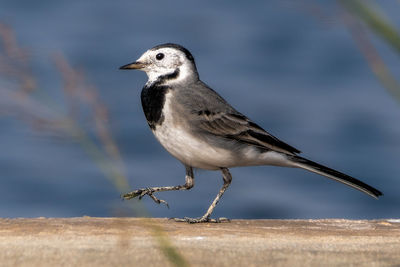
158	201
140	193
200	220
133	194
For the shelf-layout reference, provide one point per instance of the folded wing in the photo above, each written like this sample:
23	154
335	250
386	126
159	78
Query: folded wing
238	127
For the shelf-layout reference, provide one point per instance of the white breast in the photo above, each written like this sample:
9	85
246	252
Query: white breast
184	146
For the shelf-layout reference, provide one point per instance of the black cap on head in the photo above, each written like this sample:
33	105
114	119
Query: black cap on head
176	46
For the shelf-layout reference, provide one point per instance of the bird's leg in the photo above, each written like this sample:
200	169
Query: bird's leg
226	175
151	190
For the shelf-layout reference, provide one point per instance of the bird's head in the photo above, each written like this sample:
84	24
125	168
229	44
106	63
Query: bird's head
167	61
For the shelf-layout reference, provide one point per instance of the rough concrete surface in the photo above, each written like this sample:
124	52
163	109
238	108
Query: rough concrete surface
90	241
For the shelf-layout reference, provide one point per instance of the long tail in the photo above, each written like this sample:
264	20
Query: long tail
335	175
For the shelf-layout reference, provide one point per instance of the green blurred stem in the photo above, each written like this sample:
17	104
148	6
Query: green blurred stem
375	21
107	166
381	27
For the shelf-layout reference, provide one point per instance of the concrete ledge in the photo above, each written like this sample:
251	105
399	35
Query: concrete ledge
90	241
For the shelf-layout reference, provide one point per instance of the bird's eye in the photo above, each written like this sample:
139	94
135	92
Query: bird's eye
159	56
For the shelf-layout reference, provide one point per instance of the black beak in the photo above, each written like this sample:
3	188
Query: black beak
133	66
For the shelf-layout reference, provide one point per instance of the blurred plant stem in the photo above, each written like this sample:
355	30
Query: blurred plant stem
375	19
105	152
17	84
166	247
364	12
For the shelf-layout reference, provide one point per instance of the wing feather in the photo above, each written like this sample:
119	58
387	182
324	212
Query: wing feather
238	127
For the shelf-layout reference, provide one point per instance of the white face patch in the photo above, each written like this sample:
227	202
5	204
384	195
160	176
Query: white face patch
167	62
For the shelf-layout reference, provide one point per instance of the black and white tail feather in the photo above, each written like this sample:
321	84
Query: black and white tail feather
317	168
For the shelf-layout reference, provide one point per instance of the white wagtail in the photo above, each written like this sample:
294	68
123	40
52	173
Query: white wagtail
199	128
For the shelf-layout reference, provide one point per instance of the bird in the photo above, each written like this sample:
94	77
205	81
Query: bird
203	131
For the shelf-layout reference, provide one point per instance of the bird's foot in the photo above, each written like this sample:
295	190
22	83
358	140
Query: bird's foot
142	192
201	220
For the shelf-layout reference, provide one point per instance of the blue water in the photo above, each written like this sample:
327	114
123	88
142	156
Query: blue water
291	66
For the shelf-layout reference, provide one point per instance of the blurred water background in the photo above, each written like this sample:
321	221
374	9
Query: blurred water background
72	126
